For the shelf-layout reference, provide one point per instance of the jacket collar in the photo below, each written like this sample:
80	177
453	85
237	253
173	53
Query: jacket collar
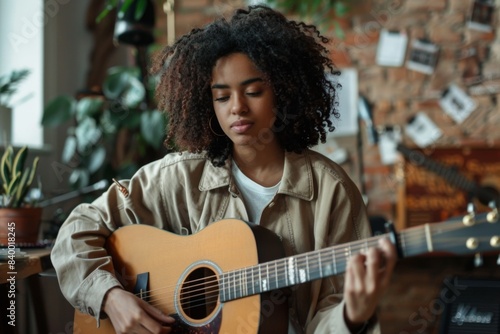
297	176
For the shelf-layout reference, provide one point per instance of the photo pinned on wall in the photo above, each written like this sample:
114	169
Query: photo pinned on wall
423	56
389	137
481	15
422	130
391	49
457	104
347	124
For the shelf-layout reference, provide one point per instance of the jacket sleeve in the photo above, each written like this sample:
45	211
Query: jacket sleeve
84	269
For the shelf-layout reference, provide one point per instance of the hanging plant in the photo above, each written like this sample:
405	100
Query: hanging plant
324	14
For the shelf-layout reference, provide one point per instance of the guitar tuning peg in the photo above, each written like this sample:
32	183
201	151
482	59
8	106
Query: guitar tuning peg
492	216
469	219
471	208
478	260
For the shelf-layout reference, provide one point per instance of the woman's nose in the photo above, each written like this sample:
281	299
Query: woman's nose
239	105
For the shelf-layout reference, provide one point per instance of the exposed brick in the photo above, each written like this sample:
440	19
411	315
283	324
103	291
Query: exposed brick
446	28
462	6
472	35
444	73
424	5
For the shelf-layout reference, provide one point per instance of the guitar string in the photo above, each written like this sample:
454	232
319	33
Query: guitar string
353	250
193	303
280	265
202	299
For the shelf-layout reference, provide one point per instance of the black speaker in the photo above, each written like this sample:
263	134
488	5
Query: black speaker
470	306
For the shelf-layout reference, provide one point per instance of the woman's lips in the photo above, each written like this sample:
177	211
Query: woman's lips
241	126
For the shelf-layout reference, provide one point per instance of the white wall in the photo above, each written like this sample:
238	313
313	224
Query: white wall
21	47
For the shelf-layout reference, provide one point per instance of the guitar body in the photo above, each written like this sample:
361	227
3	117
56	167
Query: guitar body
180	267
232	277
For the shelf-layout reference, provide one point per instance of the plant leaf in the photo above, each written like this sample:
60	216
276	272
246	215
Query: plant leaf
97	159
6	166
134	93
117	80
87	134
19	160
58	111
69	149
140	9
153	125
88	107
133	120
79	178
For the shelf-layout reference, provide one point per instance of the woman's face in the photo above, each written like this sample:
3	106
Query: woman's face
243	100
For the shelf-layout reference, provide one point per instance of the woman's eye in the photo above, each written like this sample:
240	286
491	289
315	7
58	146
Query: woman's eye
254	93
221	99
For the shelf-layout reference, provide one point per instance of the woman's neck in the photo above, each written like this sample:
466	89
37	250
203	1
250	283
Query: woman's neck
264	166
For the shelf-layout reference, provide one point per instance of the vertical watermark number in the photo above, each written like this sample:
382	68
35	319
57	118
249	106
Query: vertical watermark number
11	273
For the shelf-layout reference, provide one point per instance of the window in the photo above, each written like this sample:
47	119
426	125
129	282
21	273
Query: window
21	47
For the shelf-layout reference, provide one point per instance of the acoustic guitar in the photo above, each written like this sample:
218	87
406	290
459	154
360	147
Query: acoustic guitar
232	277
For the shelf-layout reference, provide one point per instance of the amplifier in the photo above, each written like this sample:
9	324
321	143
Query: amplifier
471	306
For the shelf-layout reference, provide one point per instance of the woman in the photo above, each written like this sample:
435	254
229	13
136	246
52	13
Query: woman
246	98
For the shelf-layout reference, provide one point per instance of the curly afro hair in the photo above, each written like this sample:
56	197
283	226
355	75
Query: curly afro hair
291	54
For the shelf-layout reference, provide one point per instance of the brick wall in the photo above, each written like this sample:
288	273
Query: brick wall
397	93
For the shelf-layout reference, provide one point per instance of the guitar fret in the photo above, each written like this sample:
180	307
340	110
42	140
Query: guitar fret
290	271
320	265
234	286
228	286
334	261
307	265
285	272
403	245
266	288
244	283
302	271
276	273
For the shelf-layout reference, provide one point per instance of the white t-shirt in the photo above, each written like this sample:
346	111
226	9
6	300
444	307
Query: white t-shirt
255	196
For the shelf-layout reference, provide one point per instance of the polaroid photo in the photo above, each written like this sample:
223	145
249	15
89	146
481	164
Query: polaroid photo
388	139
422	130
481	15
457	104
391	49
347	124
423	56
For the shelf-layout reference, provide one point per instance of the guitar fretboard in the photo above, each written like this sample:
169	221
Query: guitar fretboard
310	266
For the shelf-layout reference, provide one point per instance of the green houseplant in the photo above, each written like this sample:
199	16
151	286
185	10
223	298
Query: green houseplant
19	217
112	134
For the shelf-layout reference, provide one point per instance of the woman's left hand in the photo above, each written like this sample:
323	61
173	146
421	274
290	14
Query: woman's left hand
367	277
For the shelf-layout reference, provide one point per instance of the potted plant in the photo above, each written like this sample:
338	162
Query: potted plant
8	86
20	216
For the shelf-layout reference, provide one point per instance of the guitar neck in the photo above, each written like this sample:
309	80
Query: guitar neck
314	265
446	172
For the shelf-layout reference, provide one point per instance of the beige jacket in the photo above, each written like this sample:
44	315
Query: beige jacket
317	205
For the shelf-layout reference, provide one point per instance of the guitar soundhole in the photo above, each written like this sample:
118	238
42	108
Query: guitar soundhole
200	293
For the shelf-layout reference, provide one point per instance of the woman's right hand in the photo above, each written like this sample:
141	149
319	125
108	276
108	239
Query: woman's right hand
130	314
